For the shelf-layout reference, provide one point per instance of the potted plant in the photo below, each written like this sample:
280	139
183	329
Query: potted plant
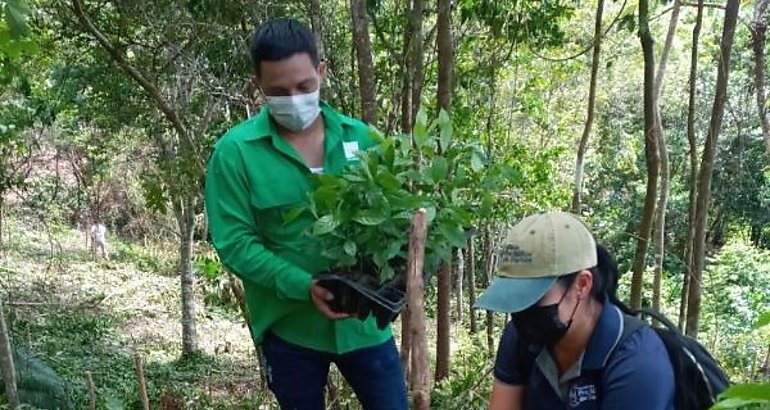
364	215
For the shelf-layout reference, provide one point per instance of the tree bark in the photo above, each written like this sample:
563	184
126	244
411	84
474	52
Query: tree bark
417	56
6	362
91	391
420	382
317	25
472	284
707	167
758	37
693	154
659	227
652	156
459	291
488	268
186	223
577	189
445	54
443	319
363	48
139	369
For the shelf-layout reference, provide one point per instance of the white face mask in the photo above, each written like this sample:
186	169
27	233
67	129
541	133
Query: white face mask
295	112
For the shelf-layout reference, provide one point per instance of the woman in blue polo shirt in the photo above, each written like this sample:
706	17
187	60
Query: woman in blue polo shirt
565	347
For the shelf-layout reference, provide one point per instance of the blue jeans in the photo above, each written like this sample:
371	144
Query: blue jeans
297	375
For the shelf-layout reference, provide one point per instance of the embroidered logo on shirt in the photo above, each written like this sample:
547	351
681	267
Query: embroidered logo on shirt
351	150
581	394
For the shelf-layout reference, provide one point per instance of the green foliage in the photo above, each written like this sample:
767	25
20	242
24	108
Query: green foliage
469	384
745	396
365	214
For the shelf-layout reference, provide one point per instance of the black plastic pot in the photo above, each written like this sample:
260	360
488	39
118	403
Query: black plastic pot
354	298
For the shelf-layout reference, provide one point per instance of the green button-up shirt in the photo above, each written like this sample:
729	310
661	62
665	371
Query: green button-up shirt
254	179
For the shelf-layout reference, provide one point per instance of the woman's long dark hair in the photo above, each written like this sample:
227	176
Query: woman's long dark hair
605	275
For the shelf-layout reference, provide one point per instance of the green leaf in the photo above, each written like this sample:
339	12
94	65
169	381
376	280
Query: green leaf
477	162
292	215
350	248
453	234
445	129
370	218
739	395
325	225
439	170
16	12
430	214
420	131
386	273
763	321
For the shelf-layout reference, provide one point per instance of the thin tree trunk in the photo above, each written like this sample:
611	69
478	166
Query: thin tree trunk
445	54
91	391
6	362
707	167
758	37
420	382
139	369
459	286
577	189
363	48
652	156
443	321
417	55
488	267
693	154
317	25
472	284
186	223
659	227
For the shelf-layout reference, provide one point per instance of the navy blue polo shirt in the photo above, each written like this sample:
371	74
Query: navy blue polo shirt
636	375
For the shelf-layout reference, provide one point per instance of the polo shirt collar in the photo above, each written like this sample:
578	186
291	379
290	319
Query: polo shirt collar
606	335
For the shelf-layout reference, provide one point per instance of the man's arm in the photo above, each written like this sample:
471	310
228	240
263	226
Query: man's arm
235	233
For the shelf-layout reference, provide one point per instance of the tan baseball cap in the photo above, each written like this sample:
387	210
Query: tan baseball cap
535	253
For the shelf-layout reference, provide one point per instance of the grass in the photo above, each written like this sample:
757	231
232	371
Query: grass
77	314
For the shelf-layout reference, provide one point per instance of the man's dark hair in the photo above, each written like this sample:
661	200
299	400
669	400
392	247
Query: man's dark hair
280	39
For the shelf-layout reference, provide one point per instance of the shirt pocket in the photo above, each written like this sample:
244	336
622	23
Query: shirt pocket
272	221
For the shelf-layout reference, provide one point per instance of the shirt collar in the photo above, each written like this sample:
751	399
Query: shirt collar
605	337
265	127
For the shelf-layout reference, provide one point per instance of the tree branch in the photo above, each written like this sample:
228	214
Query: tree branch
169	112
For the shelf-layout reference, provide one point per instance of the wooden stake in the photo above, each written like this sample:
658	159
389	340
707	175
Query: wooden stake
420	380
139	362
91	391
6	362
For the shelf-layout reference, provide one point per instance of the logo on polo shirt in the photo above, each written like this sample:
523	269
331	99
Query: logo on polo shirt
351	150
580	394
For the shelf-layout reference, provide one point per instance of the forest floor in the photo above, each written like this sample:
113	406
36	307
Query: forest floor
79	314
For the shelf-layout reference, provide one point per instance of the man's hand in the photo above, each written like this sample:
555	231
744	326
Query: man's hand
321	297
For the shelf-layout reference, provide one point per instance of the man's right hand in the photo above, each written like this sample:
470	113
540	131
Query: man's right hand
321	297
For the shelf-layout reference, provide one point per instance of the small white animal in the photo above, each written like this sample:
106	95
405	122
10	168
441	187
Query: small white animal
99	240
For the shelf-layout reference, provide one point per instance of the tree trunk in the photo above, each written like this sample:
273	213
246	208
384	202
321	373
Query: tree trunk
445	54
659	227
186	223
488	268
472	284
652	156
459	286
577	190
758	37
417	55
363	48
420	382
317	25
693	154
707	167
6	362
443	321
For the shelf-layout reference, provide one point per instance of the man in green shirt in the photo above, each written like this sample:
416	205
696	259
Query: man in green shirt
261	170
